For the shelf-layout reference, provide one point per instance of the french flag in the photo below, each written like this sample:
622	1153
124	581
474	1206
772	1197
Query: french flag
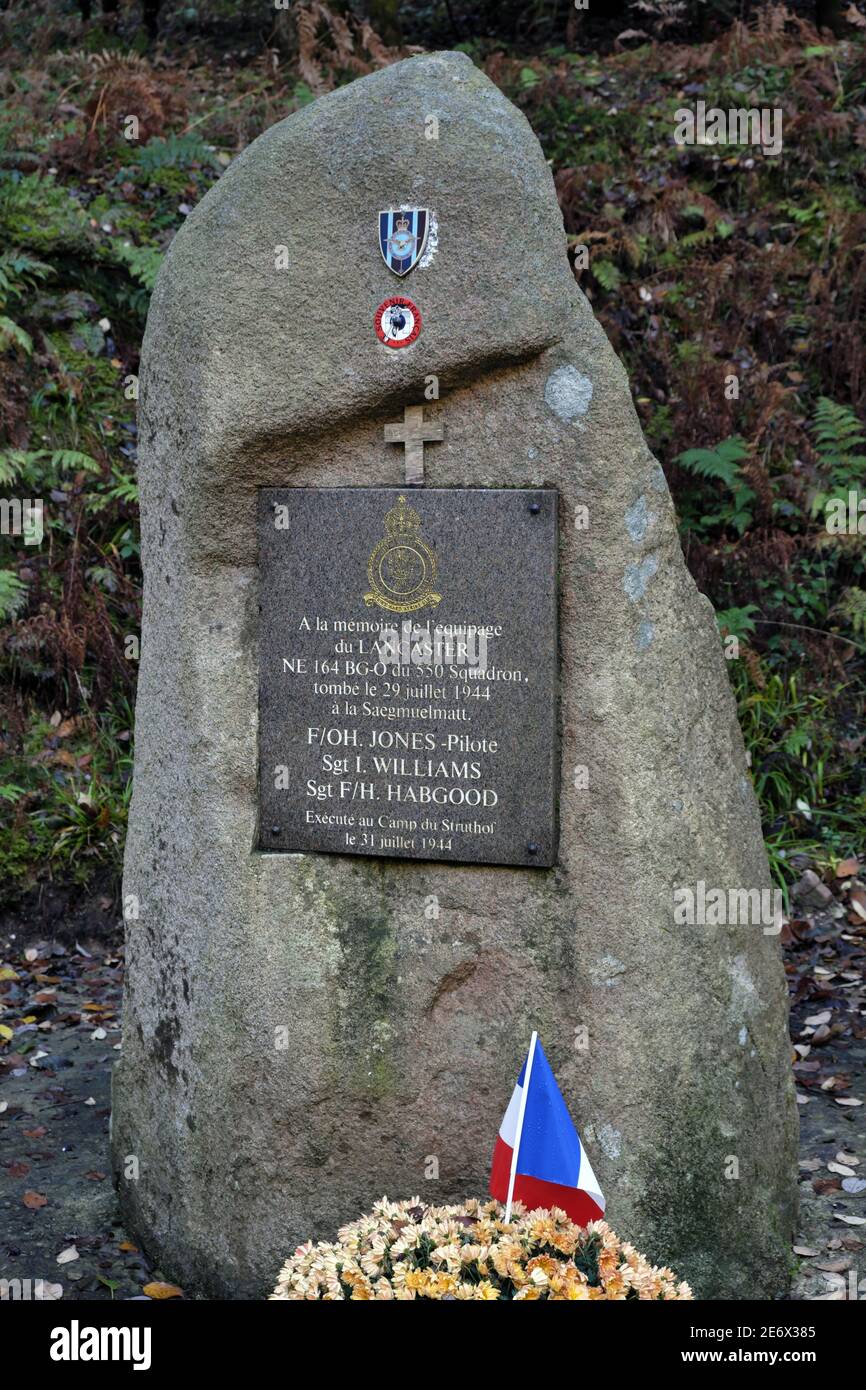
539	1159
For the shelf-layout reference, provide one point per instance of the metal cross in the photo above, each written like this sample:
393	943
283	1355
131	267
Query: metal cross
414	433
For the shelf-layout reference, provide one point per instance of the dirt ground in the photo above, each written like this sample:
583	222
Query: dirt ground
60	1035
55	1098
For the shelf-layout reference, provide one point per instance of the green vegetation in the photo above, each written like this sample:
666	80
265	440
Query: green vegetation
731	283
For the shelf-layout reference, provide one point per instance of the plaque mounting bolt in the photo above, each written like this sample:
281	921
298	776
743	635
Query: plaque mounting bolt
535	507
275	829
532	847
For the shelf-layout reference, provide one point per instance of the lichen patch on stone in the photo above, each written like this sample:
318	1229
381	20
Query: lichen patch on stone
568	393
639	519
638	576
610	1141
605	970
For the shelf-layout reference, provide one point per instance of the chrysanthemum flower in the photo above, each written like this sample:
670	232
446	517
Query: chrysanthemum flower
407	1250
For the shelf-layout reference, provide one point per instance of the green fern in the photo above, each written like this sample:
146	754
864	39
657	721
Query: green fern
65	460
38	468
737	622
125	488
13	595
852	608
16	465
840	440
13	335
142	261
838	434
174	152
19	273
607	275
722	464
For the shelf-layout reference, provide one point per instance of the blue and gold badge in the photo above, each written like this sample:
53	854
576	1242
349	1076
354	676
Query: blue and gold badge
402	238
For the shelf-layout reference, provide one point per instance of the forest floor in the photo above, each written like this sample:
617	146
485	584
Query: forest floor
59	1213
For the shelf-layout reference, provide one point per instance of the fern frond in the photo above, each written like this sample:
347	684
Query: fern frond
13	595
722	462
838	432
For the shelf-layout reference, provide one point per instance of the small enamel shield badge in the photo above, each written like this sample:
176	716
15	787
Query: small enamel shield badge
402	238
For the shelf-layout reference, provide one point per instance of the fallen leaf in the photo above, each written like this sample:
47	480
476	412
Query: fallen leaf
854	1184
35	1200
93	1176
159	1290
810	1165
805	1250
817	1019
824	1185
833	1266
128	1248
17	1169
849	1220
38	1133
6	1032
843	1171
51	1292
847	1100
847	868
68	1255
844	1157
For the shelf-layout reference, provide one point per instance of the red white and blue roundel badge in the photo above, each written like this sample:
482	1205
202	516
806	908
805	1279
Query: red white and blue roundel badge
397	321
403	237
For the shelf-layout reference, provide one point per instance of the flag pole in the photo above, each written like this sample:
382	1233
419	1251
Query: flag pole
521	1111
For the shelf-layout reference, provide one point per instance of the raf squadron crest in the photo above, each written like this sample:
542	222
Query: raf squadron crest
402	568
402	238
